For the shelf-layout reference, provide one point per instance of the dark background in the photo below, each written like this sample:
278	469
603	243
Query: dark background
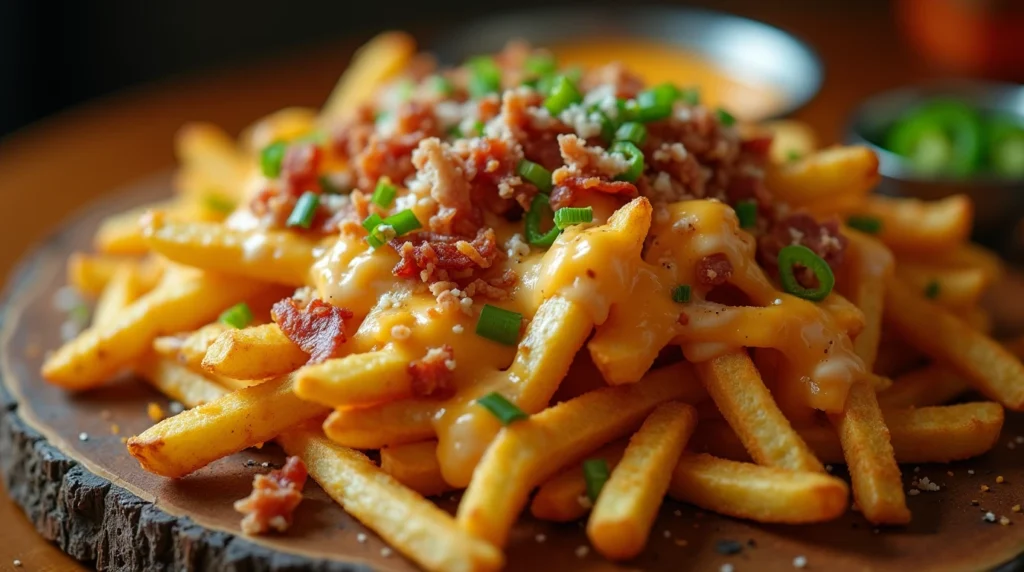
56	54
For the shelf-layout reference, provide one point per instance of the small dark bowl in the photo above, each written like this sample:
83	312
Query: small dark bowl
999	202
743	48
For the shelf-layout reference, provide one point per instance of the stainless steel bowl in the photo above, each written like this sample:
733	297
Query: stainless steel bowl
743	48
999	202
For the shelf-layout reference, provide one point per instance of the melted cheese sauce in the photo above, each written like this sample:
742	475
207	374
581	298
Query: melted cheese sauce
658	62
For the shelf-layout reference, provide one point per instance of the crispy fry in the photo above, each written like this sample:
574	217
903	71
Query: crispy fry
911	225
736	387
561	498
764	494
415	466
837	171
952	287
121	233
195	438
877	486
271	256
283	125
385	425
182	302
628	504
965	255
984	363
934	384
178	382
526	453
89	274
357	380
791	140
256	352
413	525
379	59
848	316
190	349
869	264
123	289
212	161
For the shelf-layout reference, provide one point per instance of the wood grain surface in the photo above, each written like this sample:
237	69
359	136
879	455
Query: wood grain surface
74	157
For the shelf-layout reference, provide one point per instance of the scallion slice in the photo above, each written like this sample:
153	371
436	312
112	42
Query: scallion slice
499	325
690	96
305	208
563	94
403	222
797	254
384	193
540	208
632	132
596	473
865	223
271	158
634	157
569	216
484	76
746	211
237	316
371	222
539	65
218	203
725	118
506	411
792	155
441	85
932	289
536	174
655	103
681	293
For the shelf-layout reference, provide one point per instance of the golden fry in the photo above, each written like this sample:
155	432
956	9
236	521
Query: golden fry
189	349
870	264
911	225
89	274
285	124
178	382
965	255
838	171
877	486
934	384
378	60
948	287
562	498
628	504
385	425
123	289
195	438
791	140
257	352
415	466
413	525
357	380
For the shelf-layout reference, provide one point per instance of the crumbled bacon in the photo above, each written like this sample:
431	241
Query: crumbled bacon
273	499
433	257
714	269
319	329
587	161
571	191
445	172
300	168
431	374
627	85
495	185
823	238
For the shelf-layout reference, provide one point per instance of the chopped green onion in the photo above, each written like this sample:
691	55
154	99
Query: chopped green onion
596	473
484	76
563	94
690	96
305	208
793	155
403	222
540	65
865	223
384	193
634	157
271	158
746	211
655	103
569	216
499	325
237	316
455	131
218	203
681	293
724	117
633	132
502	408
536	174
371	222
795	254
540	207
315	136
478	127
380	235
441	85
931	290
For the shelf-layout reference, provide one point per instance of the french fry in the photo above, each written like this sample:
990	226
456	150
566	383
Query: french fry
89	274
413	525
791	140
763	494
182	302
628	503
190	349
911	225
933	384
283	125
415	466
270	256
869	263
377	61
191	440
984	363
837	171
965	255
178	382
207	151
847	316
121	233
877	485
527	452
562	498
918	435
978	318
736	387
385	425
256	352
951	287
357	380
122	290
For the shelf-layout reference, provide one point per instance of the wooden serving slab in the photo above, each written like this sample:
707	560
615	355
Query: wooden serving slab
65	465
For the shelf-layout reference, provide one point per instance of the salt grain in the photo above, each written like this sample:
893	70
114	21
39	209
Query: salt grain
913	492
1004	521
361	538
726	568
800	562
677	512
17	563
385	552
175	407
970	471
458	329
83	436
582	551
989	517
667	534
540	538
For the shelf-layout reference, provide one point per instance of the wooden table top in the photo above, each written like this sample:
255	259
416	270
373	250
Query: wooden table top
76	156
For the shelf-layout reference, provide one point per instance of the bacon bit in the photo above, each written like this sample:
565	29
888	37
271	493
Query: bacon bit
445	172
273	499
683	319
823	238
431	375
300	168
318	329
573	190
714	270
432	256
759	145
